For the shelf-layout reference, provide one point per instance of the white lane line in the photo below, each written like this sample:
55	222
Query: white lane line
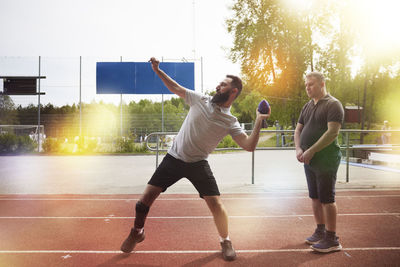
195	217
183	251
179	199
66	256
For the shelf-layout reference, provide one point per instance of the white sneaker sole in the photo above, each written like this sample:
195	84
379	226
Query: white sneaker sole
310	242
326	250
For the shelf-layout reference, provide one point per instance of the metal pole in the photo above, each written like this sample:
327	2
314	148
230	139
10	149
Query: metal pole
157	154
252	167
121	114
162	106
358	105
121	108
252	164
80	96
162	113
194	29
39	110
347	157
201	65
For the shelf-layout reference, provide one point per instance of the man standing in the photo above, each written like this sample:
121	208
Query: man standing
208	121
317	147
386	136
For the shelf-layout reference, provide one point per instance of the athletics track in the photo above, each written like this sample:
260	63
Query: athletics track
267	229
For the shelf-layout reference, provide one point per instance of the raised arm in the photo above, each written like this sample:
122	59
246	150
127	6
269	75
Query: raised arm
249	143
172	85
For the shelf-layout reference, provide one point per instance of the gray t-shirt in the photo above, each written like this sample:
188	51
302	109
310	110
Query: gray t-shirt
204	127
315	119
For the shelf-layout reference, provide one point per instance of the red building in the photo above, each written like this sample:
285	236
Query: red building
352	114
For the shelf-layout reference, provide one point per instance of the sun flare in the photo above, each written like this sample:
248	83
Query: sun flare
378	22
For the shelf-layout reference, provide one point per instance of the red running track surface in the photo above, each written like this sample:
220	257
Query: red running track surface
266	230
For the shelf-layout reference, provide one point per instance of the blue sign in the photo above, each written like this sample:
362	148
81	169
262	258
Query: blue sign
139	77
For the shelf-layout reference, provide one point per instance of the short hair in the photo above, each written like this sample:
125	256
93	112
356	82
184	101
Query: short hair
318	75
236	83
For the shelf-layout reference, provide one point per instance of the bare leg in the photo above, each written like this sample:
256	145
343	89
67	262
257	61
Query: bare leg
150	194
143	205
330	241
330	212
219	213
142	208
318	211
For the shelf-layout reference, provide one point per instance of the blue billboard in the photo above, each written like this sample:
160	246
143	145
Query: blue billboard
139	77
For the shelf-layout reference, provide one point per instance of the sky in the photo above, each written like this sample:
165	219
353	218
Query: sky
103	30
61	31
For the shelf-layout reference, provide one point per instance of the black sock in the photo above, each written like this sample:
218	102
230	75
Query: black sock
141	213
321	227
330	234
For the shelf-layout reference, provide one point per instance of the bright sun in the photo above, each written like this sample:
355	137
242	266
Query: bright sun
378	22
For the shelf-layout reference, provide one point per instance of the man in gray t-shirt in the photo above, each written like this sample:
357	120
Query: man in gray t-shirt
316	146
209	120
204	127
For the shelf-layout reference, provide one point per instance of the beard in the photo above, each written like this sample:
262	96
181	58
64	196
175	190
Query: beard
220	98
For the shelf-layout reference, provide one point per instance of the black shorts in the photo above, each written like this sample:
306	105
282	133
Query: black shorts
198	173
321	183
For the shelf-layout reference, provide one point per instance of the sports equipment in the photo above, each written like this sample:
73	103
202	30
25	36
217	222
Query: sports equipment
263	107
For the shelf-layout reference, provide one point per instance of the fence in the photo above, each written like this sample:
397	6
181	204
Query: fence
72	81
345	146
104	124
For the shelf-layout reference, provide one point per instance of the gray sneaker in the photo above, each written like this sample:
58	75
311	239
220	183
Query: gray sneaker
315	237
228	253
130	242
328	244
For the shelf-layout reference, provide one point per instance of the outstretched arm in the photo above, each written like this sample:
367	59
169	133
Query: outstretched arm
172	85
249	143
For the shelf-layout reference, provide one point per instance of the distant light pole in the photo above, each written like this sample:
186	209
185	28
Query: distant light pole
39	139
121	109
80	96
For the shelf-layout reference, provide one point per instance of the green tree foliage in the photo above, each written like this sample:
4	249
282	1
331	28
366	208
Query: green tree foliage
11	143
334	60
275	48
278	41
244	108
147	115
227	142
8	114
102	119
52	145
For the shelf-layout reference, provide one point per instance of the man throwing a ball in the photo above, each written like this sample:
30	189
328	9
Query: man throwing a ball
209	120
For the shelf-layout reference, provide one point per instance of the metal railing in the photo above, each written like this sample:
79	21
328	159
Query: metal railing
279	133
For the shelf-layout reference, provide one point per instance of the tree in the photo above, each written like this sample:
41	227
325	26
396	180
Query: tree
244	108
335	58
8	112
274	45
